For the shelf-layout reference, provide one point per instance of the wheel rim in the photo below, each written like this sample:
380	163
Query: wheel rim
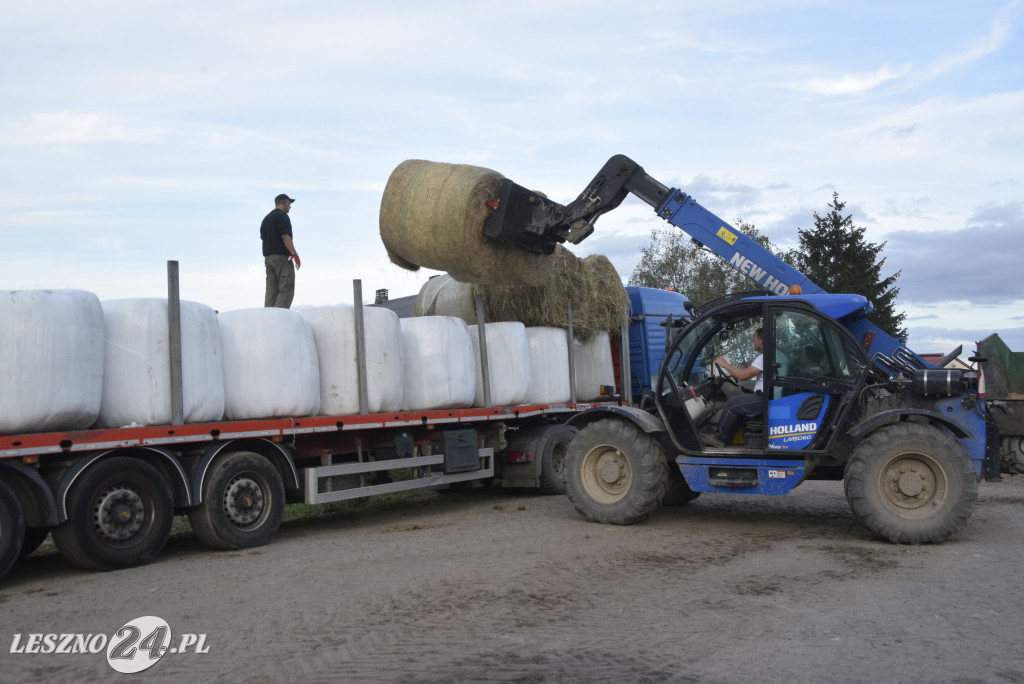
119	514
915	484
606	474
244	501
558	459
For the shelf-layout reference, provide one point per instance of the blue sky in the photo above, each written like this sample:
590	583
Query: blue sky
132	133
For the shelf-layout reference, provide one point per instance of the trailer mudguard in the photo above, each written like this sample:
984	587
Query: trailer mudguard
276	453
28	485
647	422
165	461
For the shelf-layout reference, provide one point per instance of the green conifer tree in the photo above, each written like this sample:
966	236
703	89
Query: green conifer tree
835	255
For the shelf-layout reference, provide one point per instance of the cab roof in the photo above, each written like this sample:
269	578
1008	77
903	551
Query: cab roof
837	306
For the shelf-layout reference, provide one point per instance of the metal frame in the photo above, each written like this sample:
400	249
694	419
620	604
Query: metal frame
312	477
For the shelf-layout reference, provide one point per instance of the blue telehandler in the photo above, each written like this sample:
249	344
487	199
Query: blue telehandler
839	398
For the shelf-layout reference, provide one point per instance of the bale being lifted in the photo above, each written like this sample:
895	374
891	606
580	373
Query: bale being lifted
432	215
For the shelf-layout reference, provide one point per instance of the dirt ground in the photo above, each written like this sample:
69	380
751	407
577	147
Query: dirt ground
488	586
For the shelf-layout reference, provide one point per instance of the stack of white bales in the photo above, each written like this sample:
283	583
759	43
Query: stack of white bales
72	363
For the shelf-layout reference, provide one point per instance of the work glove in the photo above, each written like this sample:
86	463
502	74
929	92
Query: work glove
295	258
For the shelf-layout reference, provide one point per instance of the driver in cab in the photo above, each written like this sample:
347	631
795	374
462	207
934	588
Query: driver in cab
741	405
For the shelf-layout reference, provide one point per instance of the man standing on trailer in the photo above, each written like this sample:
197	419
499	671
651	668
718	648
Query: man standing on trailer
279	253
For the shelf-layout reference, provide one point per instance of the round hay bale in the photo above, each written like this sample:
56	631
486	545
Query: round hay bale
593	286
432	215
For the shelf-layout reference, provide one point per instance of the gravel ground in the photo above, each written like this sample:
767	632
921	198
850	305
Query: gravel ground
491	586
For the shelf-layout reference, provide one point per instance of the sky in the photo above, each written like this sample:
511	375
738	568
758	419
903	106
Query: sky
135	132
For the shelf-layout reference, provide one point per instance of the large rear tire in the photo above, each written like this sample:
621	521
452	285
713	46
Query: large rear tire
243	502
12	528
119	514
911	484
615	473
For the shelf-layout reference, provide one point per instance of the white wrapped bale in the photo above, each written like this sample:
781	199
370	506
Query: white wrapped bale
270	364
137	364
508	361
437	357
549	365
594	366
51	368
334	331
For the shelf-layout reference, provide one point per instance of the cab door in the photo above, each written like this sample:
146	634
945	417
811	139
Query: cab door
814	368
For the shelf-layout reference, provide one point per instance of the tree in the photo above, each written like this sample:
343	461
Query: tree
836	256
673	260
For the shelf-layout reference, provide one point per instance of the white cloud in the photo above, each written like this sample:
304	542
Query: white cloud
853	84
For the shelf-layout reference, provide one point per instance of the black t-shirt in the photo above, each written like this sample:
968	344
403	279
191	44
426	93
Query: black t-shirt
275	224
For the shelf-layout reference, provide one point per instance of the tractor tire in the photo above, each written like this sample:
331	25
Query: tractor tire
911	484
554	448
243	502
678	493
615	473
119	515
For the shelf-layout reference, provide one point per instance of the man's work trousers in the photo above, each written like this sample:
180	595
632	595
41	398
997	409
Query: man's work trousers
738	407
280	281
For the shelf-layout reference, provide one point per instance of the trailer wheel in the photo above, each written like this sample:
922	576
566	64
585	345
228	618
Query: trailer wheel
555	447
12	528
677	493
615	473
243	502
119	515
911	483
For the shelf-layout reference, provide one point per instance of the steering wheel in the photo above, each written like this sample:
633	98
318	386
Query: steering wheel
726	375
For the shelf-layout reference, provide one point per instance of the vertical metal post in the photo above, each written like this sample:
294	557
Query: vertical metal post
174	346
625	377
484	365
572	355
357	308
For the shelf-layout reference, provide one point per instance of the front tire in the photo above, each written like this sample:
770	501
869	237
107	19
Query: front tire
243	502
911	484
119	515
615	473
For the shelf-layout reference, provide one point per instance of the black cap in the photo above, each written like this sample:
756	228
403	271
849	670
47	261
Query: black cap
281	198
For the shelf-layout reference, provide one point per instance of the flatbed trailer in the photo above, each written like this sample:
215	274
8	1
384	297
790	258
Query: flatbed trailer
108	496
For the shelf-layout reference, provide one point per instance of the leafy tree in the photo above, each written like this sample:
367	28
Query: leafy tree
836	256
674	260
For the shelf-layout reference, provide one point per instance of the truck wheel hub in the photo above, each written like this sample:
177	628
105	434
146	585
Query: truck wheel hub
243	501
119	513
